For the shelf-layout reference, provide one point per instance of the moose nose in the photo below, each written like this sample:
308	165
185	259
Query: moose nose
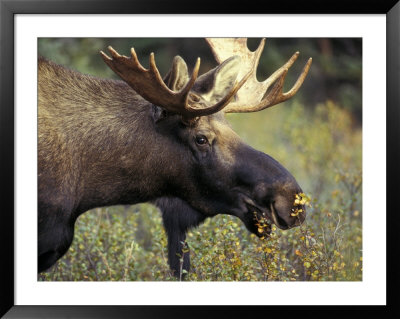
287	211
280	200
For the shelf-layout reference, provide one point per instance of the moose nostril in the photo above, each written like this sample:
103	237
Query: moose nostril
288	215
283	205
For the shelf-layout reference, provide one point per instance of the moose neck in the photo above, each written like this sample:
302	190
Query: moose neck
103	130
119	166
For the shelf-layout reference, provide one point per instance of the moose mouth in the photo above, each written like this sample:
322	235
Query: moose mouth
263	218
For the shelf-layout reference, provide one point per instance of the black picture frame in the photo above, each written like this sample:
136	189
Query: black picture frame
8	10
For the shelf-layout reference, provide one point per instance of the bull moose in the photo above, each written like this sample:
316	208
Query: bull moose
104	142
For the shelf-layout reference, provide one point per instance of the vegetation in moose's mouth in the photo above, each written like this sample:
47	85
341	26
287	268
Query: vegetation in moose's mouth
316	136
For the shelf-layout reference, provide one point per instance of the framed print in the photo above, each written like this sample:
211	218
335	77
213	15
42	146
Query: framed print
290	206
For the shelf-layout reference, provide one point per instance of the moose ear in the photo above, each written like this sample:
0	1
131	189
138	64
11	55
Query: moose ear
216	83
178	75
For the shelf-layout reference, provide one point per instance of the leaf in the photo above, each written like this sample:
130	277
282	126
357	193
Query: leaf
298	253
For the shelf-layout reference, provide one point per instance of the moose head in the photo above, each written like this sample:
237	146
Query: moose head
218	172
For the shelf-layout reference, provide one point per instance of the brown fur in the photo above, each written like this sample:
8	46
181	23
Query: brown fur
86	125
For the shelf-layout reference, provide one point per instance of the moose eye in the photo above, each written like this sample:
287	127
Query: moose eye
201	140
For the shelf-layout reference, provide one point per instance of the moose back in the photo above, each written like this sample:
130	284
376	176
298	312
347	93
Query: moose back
164	140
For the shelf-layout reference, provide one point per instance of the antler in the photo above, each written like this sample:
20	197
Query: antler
149	84
253	96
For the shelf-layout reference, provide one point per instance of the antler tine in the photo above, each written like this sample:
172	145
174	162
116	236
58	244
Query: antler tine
279	72
135	60
252	97
299	81
193	78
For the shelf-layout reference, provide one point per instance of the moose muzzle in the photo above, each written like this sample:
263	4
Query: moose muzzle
271	195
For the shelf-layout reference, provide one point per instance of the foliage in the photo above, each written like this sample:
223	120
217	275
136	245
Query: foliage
321	147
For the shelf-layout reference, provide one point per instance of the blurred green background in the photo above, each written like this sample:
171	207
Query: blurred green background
317	136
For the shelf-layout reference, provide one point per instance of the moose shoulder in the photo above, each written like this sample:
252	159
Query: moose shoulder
165	140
